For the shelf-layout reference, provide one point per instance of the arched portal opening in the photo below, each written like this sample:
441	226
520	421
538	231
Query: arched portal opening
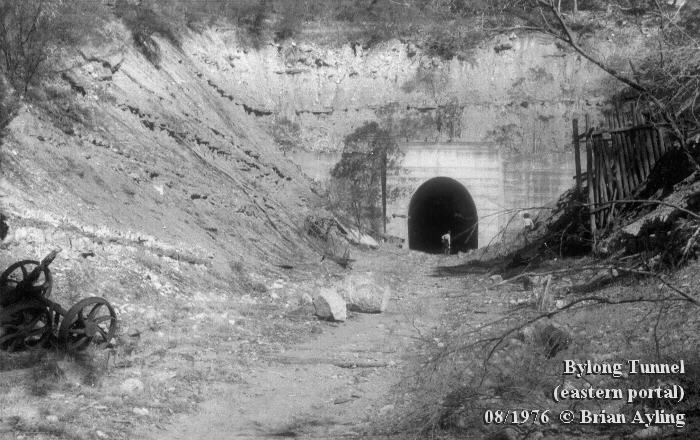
439	205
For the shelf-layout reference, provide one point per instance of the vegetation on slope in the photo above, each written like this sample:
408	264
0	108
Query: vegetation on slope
37	33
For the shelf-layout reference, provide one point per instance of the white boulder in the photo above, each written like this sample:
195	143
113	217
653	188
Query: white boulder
328	304
364	294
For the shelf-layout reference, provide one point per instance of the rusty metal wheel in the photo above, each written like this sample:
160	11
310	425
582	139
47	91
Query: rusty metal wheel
25	325
17	273
91	320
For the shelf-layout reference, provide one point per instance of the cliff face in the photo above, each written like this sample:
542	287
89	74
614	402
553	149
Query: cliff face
520	92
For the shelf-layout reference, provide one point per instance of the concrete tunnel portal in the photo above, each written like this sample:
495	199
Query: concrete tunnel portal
438	205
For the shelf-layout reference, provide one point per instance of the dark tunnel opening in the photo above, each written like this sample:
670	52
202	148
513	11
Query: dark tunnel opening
439	205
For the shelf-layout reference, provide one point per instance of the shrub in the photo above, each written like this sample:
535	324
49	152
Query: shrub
291	21
33	31
240	277
8	105
452	41
46	376
143	21
286	133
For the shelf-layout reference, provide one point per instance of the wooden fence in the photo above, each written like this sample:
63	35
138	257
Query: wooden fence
619	158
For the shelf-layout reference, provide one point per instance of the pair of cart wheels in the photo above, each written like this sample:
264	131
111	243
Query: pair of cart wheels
32	322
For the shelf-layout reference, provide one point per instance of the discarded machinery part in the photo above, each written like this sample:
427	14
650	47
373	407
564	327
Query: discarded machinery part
29	319
90	320
26	278
25	325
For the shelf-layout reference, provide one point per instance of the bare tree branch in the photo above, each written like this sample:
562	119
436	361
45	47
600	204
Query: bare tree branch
647	202
569	39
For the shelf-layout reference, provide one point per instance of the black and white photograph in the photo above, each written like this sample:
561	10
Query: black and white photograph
349	219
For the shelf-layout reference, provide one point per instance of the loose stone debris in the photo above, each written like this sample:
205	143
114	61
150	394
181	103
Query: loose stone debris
131	386
363	294
328	304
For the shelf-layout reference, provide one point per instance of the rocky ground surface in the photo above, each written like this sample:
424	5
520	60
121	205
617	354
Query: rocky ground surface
338	383
343	381
231	367
217	365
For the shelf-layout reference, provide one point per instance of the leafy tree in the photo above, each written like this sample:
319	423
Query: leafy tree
31	31
359	178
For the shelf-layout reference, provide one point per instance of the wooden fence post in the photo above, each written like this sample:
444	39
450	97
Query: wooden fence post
590	180
577	157
383	183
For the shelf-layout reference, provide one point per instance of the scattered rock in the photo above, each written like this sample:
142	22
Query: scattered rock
131	386
364	295
496	278
52	418
354	236
305	298
366	240
651	432
328	304
101	434
537	435
140	411
385	409
411	50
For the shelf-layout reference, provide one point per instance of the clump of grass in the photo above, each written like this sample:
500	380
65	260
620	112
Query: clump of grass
299	425
149	261
46	376
13	361
291	21
241	278
73	283
286	133
53	430
93	370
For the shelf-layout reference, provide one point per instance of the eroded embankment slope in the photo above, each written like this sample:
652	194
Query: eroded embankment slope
169	202
122	150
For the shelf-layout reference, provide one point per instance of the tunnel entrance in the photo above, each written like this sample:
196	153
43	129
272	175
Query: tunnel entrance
439	205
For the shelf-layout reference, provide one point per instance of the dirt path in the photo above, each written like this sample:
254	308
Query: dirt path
332	386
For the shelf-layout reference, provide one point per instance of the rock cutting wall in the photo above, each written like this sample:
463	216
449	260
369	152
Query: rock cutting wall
519	92
185	157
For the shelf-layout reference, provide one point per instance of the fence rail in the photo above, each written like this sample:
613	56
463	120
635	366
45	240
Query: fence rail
619	160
